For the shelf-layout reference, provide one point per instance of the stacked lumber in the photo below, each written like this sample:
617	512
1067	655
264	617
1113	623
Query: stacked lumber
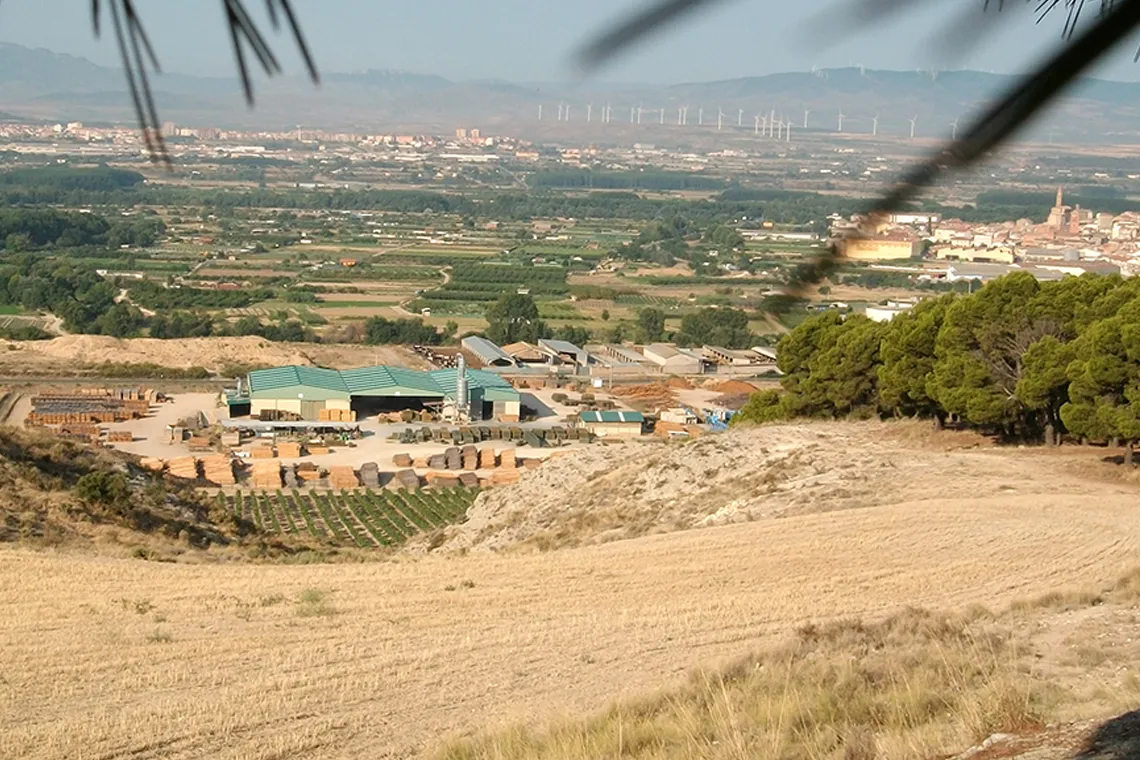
218	469
289	450
487	458
81	429
198	443
119	436
469	480
425	416
183	467
453	459
154	464
470	456
262	452
406	480
370	475
403	460
342	477
421	463
531	464
442	480
505	477
437	462
507	459
266	474
336	415
307	471
318	451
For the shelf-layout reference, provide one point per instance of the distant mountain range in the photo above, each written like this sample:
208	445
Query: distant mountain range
39	84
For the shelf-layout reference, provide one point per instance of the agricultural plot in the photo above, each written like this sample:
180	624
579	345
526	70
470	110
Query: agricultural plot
365	519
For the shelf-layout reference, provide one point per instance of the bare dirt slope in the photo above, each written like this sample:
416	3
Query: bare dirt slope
115	658
65	353
613	492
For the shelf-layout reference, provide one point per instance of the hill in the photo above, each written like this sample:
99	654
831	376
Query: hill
379	659
43	84
58	493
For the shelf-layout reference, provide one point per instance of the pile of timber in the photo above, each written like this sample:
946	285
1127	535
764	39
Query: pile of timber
406	480
487	458
218	469
289	450
402	460
370	475
154	464
452	458
342	478
120	436
442	480
183	467
336	415
468	480
265	474
198	443
262	452
81	429
470	456
318	450
307	471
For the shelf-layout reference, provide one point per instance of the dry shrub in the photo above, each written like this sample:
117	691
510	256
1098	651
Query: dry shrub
845	689
1060	601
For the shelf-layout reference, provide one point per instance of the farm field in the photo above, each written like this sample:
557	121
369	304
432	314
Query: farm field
385	659
364	519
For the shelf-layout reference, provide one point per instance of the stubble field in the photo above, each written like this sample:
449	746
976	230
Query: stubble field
112	658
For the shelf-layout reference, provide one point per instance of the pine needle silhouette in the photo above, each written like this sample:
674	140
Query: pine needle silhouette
138	55
1013	110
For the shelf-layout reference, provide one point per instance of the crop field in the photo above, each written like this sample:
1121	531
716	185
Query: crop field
365	519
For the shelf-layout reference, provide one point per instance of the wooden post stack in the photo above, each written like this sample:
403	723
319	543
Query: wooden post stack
218	469
266	474
183	467
289	450
406	480
487	458
342	478
402	460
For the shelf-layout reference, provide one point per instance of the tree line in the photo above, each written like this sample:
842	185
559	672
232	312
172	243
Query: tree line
1026	360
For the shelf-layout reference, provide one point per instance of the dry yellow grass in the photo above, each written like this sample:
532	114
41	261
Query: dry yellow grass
115	658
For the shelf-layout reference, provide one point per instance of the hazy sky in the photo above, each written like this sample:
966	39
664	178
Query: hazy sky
532	40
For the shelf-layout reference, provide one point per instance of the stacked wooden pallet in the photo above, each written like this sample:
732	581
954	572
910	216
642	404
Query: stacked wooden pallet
402	460
183	467
505	477
218	469
370	475
319	450
469	480
487	459
262	452
120	436
154	464
507	459
406	480
470	456
198	443
289	450
342	477
81	429
453	458
336	415
442	480
265	474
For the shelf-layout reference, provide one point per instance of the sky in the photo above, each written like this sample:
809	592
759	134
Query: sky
534	40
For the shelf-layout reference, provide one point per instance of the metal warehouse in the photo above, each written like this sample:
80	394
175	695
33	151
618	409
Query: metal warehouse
307	391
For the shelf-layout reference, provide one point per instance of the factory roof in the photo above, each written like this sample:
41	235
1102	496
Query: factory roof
611	417
487	351
377	381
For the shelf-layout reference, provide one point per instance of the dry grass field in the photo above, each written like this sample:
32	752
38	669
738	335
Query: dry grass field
111	658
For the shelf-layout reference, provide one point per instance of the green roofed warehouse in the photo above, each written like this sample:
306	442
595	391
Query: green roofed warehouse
371	390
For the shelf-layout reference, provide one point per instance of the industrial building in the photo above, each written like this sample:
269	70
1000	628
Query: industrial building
307	391
612	424
487	352
675	361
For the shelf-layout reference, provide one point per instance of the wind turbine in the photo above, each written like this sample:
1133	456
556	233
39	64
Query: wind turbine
912	121
700	117
680	115
632	114
663	116
875	125
719	118
589	112
540	111
639	114
841	120
805	118
788	131
607	114
772	123
740	117
757	130
954	129
560	109
567	112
